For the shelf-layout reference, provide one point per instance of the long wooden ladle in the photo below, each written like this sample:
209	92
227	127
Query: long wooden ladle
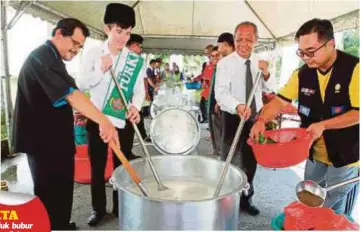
128	167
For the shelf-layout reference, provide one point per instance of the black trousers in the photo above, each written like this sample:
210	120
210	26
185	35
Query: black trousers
145	111
98	158
53	177
141	129
203	108
243	157
151	93
141	126
215	128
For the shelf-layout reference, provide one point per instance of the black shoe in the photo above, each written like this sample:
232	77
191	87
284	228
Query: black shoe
95	218
133	157
148	140
250	208
204	121
72	226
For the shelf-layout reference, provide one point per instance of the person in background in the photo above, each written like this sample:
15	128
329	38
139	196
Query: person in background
225	47
174	64
328	92
235	75
177	75
166	74
112	57
207	52
158	63
206	77
152	81
44	122
134	44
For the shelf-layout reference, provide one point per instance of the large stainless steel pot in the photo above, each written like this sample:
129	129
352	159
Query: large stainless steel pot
137	212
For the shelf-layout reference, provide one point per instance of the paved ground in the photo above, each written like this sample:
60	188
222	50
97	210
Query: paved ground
274	190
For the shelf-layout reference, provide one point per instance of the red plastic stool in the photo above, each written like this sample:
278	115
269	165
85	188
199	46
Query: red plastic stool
82	165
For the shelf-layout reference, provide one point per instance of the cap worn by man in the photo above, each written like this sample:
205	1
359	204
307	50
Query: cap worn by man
119	13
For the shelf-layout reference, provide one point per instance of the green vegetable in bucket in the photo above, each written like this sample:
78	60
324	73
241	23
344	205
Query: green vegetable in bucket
263	140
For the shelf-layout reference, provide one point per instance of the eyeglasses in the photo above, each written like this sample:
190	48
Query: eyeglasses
76	44
309	54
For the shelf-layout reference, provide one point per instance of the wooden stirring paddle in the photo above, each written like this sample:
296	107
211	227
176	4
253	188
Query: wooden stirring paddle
131	171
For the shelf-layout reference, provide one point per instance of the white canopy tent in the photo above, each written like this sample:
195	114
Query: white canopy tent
186	27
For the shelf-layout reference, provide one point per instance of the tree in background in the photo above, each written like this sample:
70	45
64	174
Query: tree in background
193	65
351	42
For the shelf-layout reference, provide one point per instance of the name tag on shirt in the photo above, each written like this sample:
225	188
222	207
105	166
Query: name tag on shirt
307	92
304	110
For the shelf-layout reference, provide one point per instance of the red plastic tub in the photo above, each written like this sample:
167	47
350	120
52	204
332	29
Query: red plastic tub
82	165
286	152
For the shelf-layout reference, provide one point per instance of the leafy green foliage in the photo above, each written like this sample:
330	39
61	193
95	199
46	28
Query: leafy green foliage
351	42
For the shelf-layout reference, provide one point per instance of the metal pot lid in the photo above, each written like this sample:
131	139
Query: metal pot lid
163	101
175	131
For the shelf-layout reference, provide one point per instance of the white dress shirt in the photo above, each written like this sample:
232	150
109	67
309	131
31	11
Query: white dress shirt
230	84
92	79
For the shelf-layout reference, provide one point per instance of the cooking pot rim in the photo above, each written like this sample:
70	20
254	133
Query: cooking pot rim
239	188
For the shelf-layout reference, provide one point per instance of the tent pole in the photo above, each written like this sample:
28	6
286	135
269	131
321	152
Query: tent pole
259	18
135	4
6	75
19	12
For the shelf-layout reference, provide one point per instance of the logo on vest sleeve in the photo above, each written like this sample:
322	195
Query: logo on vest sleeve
307	92
304	110
337	110
337	88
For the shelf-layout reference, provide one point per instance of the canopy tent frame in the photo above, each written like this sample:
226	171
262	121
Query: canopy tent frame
6	100
260	19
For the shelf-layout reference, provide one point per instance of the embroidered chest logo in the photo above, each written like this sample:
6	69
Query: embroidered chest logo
117	103
337	88
307	92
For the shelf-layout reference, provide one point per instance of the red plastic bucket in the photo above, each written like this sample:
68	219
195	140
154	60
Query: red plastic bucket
292	148
82	165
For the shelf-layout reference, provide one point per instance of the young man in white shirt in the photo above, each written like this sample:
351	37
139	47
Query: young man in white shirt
235	76
129	70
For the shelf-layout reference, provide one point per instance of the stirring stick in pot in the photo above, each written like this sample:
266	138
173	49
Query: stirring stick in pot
128	167
140	139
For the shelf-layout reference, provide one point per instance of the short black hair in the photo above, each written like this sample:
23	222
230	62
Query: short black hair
159	60
209	46
247	23
68	25
322	27
152	61
135	38
226	37
215	48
